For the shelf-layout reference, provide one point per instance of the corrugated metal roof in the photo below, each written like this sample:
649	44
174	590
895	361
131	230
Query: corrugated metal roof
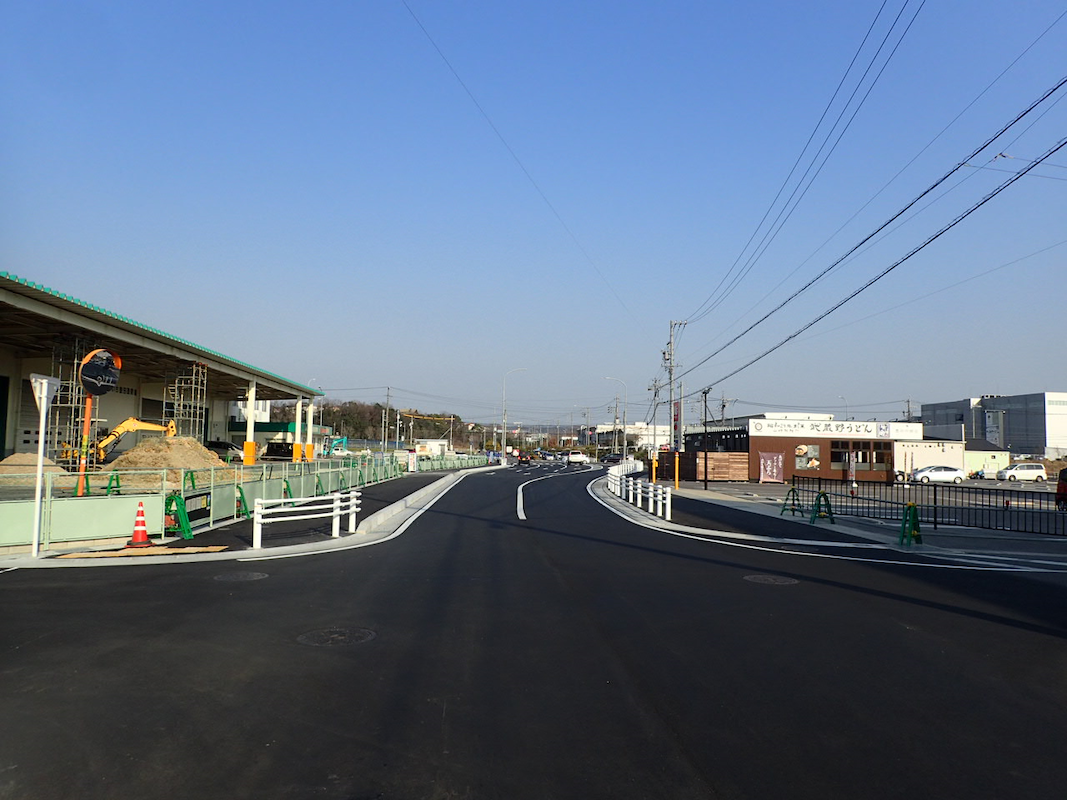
34	333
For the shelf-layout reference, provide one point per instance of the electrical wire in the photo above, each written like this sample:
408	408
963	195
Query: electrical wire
712	302
914	158
522	167
1055	149
888	222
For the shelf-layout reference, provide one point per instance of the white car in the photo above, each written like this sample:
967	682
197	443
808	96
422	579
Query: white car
938	475
577	457
1023	472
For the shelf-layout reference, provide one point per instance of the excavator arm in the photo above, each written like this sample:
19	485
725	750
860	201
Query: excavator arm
105	444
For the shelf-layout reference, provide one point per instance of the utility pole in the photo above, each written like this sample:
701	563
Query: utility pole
668	359
704	455
385	419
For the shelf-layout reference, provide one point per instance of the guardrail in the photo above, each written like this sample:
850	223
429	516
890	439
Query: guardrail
288	510
652	497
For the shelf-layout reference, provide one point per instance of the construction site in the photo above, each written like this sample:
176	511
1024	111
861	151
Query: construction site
143	430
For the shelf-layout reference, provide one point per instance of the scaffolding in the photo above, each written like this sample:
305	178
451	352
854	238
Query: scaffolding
65	419
187	399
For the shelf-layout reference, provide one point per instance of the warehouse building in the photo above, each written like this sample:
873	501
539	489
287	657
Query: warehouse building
1023	424
163	379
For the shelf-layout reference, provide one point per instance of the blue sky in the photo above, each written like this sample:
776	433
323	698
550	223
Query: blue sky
425	195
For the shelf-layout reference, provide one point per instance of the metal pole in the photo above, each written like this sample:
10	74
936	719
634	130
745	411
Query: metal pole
624	402
42	403
706	437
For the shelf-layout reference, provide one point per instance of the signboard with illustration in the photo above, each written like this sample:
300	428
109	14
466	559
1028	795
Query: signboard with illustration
807	456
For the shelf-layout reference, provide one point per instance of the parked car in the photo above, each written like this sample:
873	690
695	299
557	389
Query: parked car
938	475
1023	472
227	451
577	457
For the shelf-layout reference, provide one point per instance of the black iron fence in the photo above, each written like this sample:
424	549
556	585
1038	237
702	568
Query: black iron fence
1020	510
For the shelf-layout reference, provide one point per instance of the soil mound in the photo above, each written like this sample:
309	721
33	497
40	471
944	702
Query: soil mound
20	469
166	452
172	453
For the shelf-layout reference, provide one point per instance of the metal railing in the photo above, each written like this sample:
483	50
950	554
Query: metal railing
1018	510
214	496
287	510
652	497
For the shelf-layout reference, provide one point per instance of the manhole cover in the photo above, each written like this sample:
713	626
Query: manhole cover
333	637
774	580
241	576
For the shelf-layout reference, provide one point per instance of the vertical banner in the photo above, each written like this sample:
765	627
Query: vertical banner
771	467
676	426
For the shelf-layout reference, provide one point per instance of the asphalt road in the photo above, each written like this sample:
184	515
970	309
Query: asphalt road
572	654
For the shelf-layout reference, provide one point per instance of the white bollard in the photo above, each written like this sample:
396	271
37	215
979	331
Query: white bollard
667	516
336	527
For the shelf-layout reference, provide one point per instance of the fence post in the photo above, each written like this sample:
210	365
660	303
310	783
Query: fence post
336	521
353	507
257	524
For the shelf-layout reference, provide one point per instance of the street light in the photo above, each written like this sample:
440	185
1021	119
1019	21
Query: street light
504	414
624	390
842	398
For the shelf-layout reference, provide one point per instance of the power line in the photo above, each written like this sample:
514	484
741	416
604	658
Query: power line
522	167
893	218
897	263
793	200
914	158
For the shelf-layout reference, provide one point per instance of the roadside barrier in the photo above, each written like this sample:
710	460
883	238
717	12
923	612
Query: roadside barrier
287	509
652	497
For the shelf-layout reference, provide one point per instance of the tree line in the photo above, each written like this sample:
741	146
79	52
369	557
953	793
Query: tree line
358	420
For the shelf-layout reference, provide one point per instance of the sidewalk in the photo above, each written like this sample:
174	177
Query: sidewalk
384	507
706	510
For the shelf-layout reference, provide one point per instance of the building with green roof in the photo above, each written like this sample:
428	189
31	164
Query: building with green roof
163	377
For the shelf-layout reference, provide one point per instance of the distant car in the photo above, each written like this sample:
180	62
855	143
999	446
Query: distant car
1023	472
577	457
524	458
938	475
227	451
611	458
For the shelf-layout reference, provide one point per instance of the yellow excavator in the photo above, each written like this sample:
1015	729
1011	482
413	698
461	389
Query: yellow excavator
103	445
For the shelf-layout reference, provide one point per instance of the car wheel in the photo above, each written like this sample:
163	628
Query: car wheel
957	479
900	477
1012	478
1039	479
924	479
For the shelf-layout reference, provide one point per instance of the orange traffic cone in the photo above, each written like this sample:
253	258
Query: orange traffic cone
140	530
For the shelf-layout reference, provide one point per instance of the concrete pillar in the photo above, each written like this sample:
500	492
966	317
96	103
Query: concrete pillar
250	425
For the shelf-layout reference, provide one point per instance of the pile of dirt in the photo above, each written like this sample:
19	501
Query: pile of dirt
172	453
21	463
20	469
165	452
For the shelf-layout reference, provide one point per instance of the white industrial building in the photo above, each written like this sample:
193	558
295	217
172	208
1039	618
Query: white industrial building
1023	424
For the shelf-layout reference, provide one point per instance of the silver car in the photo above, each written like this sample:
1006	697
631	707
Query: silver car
938	475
